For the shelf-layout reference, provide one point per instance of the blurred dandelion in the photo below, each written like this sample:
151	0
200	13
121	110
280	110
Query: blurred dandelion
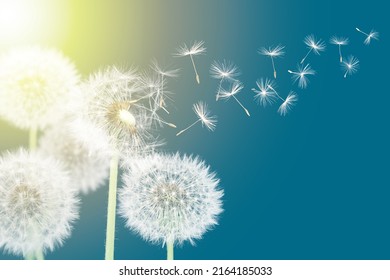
265	94
372	35
88	170
288	103
196	49
340	41
301	74
314	45
272	53
235	89
222	71
204	117
36	85
37	204
350	66
170	199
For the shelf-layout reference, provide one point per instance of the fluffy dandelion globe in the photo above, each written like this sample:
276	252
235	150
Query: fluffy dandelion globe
37	205
170	199
116	110
35	83
87	170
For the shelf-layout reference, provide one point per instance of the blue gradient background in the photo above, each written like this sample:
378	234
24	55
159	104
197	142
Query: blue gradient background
311	185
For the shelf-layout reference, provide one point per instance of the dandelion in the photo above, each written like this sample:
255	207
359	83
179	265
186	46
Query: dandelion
314	45
288	103
196	48
350	66
88	170
116	107
222	71
204	117
372	35
235	89
265	94
340	41
170	199
37	205
35	86
273	52
301	74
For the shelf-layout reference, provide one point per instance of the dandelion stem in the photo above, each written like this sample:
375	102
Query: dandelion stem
361	31
39	255
242	106
29	256
276	91
33	137
170	250
219	89
196	72
303	59
111	209
273	66
181	131
341	57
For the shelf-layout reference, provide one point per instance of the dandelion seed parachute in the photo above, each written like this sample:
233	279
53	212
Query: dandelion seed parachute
314	45
301	74
288	103
35	86
273	52
170	199
237	86
265	94
37	205
87	170
372	35
196	49
350	66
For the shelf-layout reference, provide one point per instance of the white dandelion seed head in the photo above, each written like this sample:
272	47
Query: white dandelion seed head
316	45
196	48
350	66
265	94
341	41
273	51
170	198
35	86
301	74
37	205
116	108
236	87
288	103
87	169
224	70
201	110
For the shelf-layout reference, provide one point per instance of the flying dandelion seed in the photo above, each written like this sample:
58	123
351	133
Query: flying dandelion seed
196	49
37	205
87	170
161	94
222	71
170	199
340	41
372	35
288	103
314	45
235	89
265	94
35	86
272	53
301	74
204	117
350	66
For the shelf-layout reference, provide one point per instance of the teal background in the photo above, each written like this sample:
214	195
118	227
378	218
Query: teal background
311	185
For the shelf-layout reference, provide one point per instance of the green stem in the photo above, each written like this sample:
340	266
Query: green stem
39	255
169	250
33	137
29	256
111	208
